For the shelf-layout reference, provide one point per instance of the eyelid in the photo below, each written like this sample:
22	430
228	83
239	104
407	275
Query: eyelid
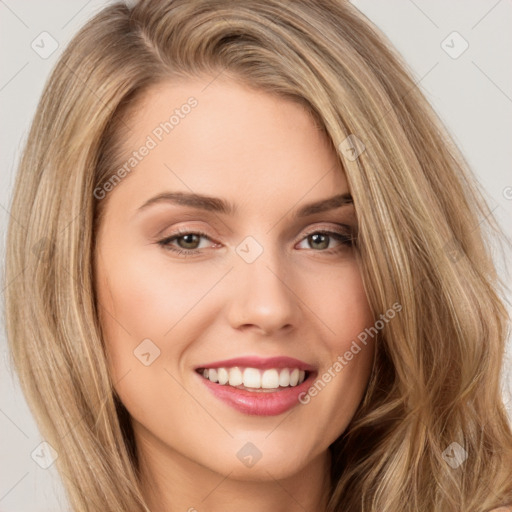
329	227
313	229
348	232
180	231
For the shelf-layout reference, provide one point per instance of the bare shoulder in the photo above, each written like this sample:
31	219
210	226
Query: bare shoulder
502	509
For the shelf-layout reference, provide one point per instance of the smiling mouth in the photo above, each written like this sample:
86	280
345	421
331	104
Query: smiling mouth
255	380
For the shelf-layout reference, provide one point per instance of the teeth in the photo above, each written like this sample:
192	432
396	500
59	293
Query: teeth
223	375
235	376
284	377
254	378
270	379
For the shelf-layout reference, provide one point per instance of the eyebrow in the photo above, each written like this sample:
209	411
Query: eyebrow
215	204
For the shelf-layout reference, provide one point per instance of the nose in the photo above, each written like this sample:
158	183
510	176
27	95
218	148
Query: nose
262	296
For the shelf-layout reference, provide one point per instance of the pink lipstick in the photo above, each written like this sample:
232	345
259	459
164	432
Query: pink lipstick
258	386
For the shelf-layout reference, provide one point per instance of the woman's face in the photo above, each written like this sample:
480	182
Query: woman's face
263	275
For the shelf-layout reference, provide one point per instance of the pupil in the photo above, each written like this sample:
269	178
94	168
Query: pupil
189	239
317	238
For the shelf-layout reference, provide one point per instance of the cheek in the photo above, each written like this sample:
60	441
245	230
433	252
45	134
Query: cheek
136	305
352	317
143	295
136	288
147	307
340	301
139	305
344	309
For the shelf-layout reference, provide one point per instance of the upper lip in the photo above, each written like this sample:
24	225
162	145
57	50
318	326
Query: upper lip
262	363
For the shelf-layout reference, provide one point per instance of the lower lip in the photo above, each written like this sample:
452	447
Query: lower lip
259	403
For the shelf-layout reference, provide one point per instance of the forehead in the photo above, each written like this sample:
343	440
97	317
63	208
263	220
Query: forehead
224	139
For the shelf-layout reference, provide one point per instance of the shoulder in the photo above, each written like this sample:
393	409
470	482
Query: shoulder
502	509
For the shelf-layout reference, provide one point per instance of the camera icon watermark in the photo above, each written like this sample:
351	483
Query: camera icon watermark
147	352
249	249
455	455
44	45
44	455
249	454
507	193
453	250
454	45
352	147
42	249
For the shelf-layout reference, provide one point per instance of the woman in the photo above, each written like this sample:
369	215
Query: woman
253	271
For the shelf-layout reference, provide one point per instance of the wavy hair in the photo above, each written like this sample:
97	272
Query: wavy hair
423	234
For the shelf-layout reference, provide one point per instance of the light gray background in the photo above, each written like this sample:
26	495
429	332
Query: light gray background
471	93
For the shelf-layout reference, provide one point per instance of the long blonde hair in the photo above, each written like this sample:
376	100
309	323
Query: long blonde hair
436	378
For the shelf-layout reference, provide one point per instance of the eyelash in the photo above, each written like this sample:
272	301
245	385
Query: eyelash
346	241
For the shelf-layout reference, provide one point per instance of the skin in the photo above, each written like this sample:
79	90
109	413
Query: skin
266	156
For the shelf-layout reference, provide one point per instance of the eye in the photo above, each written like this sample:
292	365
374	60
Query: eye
187	242
321	240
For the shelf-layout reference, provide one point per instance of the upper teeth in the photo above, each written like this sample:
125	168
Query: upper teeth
255	378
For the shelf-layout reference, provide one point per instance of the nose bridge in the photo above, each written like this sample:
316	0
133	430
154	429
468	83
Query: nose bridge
262	296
